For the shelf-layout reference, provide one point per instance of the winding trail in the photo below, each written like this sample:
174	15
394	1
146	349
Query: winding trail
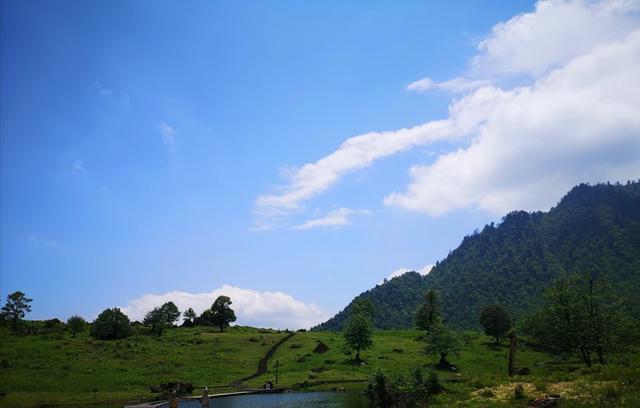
262	364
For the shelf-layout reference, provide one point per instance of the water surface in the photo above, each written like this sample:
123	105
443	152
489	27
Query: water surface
348	399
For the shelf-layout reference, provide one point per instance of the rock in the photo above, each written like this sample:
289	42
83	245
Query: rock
321	348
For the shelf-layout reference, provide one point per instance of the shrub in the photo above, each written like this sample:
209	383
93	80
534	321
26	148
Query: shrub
379	391
433	384
76	324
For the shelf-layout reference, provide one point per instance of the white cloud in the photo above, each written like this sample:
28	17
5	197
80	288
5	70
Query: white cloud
167	133
552	35
573	116
398	272
401	271
355	153
579	123
253	308
337	218
455	85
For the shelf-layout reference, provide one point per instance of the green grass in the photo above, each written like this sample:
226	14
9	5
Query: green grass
58	370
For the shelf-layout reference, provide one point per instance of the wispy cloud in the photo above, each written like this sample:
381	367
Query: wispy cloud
167	133
336	218
102	91
355	153
455	85
261	309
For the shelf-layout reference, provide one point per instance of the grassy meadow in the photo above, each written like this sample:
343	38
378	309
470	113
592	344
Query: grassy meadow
57	369
54	369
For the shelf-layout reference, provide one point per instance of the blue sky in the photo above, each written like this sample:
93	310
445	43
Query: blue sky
151	147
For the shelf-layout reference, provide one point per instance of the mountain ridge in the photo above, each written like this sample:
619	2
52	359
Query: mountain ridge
593	228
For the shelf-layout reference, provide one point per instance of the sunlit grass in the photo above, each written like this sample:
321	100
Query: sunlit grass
58	370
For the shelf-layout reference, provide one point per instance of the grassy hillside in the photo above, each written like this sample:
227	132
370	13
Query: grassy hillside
593	229
54	369
481	379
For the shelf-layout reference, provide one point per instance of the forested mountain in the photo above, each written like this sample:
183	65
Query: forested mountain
592	229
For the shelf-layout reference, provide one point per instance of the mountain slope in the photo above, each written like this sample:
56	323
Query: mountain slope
592	229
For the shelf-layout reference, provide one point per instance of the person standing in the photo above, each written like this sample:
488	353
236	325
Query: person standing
174	399
204	401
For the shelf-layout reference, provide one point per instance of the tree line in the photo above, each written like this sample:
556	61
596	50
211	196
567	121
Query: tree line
112	323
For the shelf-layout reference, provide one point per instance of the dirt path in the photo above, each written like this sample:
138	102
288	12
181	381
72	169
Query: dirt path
262	364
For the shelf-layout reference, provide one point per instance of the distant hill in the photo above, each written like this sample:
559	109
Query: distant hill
592	229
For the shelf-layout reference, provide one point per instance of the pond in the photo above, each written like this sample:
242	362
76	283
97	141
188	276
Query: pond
348	399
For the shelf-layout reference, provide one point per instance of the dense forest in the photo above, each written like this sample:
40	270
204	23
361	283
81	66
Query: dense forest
593	229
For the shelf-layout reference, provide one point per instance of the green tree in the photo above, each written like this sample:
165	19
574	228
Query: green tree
495	321
442	341
189	316
76	324
157	320
580	313
380	391
170	312
363	306
205	318
358	332
428	313
111	324
17	306
222	314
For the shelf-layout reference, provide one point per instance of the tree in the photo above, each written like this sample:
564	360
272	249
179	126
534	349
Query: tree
222	314
580	313
428	313
156	319
189	316
363	306
111	324
357	333
441	341
76	324
16	308
496	321
170	312
205	318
